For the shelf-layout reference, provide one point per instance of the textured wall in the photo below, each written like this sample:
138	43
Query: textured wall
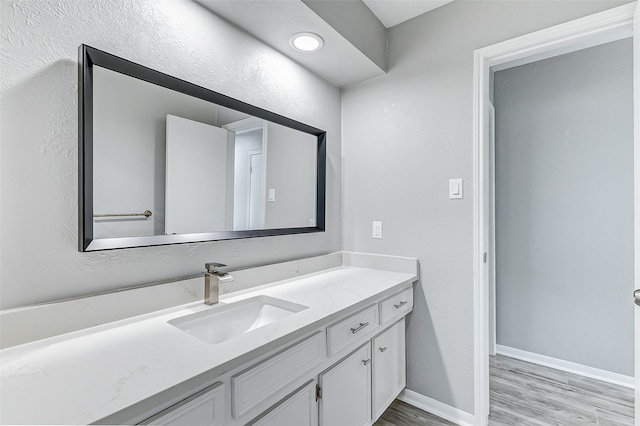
129	145
405	135
291	171
39	191
564	207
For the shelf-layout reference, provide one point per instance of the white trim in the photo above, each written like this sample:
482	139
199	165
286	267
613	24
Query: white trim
585	32
248	216
265	154
231	160
636	176
481	74
244	125
492	230
568	366
593	30
437	408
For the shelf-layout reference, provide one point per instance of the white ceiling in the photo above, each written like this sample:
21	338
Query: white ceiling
274	22
394	12
340	61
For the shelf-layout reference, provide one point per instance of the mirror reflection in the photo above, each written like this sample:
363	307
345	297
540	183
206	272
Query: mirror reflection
166	163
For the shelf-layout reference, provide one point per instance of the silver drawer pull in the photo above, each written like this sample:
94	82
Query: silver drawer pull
362	325
400	305
366	361
383	349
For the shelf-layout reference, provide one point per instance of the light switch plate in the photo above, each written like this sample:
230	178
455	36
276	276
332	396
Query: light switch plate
272	195
455	189
377	229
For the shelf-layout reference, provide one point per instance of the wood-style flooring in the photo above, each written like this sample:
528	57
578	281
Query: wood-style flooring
532	395
400	413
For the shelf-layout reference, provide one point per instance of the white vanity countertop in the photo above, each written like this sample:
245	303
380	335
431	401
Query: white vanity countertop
84	376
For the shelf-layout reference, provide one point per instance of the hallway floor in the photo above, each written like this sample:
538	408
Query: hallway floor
528	394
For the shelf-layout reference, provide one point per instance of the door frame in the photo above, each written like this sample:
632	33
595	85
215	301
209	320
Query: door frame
262	205
603	27
491	236
247	125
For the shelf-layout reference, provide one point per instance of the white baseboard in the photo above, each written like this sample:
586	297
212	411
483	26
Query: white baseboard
437	408
571	367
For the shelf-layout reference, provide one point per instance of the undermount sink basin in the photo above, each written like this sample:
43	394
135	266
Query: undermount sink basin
225	322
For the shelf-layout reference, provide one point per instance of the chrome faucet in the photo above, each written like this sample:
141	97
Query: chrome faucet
212	293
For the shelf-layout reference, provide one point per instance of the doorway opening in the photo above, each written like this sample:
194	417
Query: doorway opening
594	30
564	237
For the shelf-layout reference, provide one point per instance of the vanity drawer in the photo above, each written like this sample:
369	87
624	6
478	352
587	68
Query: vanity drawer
299	409
270	379
349	330
398	304
204	408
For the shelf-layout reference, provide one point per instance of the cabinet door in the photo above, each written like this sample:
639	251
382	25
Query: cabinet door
298	409
346	391
205	408
389	367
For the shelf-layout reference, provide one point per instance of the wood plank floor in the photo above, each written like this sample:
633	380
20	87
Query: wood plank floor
403	414
532	395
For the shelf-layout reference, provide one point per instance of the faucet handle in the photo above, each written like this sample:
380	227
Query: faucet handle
211	266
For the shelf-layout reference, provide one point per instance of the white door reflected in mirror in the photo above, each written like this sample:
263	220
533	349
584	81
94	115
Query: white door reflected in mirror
199	167
196	177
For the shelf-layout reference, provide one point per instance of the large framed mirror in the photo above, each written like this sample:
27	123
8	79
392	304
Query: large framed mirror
165	161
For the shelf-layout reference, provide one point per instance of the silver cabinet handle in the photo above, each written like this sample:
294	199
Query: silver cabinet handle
383	349
362	325
400	305
366	361
636	296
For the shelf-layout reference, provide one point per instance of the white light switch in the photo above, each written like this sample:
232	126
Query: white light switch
455	189
272	195
377	229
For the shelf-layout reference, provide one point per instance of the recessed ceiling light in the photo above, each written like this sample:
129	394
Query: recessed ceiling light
306	42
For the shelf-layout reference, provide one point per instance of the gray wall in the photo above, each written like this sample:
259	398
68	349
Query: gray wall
405	135
564	207
39	259
129	149
358	24
291	171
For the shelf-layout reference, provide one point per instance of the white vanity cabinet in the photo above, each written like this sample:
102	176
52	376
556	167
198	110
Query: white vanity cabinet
346	391
396	306
205	408
389	367
347	332
298	409
280	330
273	378
345	373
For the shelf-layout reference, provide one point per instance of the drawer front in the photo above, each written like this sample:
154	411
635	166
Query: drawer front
204	408
397	305
270	378
349	330
299	409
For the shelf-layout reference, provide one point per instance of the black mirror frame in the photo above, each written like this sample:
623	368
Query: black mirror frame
89	56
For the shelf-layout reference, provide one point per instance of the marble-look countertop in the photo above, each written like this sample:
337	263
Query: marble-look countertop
84	376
